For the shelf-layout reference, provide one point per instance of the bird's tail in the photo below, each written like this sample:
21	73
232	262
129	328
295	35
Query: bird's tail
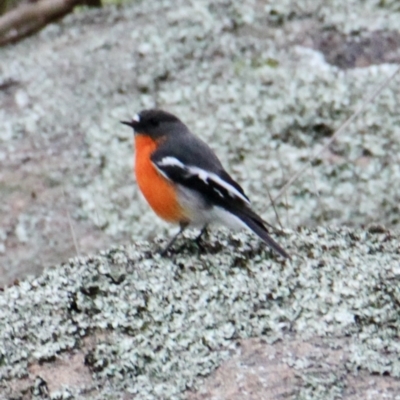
256	225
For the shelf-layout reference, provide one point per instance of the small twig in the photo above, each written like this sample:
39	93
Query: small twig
275	210
314	181
286	198
287	209
29	18
359	110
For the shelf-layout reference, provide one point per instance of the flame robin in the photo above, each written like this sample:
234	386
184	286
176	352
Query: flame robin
185	183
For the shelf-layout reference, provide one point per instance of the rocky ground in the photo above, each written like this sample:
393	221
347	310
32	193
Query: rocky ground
128	324
265	85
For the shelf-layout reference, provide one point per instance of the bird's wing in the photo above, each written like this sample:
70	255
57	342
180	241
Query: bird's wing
198	169
209	184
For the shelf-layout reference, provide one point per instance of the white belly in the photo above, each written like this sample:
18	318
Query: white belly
201	213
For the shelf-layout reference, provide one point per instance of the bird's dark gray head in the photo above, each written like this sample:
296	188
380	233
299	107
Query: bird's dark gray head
155	123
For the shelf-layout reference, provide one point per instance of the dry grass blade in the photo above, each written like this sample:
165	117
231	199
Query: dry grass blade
275	210
367	100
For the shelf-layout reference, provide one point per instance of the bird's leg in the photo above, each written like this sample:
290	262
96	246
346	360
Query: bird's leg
183	226
198	239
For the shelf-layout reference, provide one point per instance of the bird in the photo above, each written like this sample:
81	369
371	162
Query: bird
185	183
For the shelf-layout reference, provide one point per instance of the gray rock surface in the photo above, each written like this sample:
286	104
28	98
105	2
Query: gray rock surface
126	324
265	85
249	78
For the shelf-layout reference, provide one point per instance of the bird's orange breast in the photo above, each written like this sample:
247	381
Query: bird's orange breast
158	191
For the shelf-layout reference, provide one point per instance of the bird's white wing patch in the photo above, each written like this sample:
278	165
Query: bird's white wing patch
203	175
167	162
170	162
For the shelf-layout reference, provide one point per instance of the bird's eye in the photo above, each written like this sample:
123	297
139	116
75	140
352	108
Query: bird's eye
154	122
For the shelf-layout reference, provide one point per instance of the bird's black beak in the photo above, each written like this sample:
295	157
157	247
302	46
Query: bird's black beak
129	123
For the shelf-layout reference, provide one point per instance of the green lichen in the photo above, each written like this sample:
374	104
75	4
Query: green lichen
234	74
163	323
251	89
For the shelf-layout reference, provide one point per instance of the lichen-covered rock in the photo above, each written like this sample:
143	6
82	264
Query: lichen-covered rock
130	323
